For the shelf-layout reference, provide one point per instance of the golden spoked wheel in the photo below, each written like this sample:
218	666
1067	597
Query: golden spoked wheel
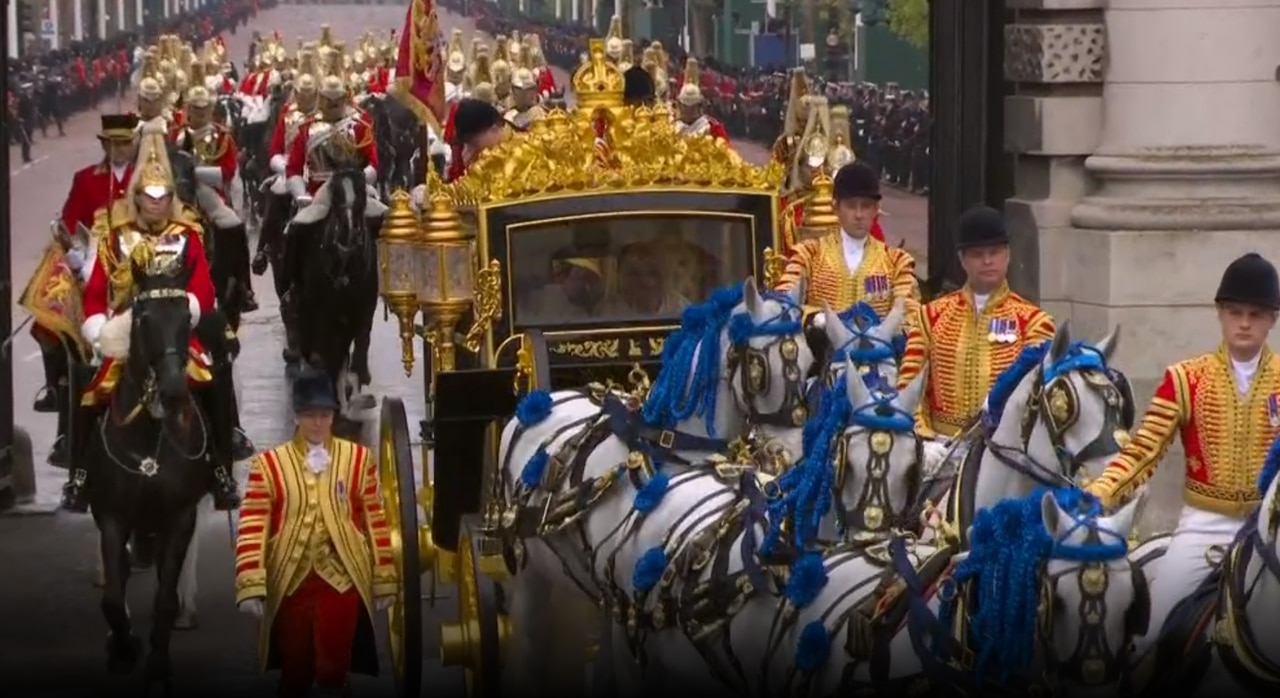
404	618
475	642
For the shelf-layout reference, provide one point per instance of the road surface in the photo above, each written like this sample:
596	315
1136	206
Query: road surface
51	631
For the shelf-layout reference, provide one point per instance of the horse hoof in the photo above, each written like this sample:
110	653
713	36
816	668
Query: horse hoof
122	655
187	620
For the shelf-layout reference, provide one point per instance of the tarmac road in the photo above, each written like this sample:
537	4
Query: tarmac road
51	631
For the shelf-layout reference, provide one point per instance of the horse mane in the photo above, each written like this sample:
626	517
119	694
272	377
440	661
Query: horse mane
1009	545
1008	380
676	395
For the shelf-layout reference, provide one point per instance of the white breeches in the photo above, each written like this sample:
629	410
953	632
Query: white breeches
220	215
277	184
1185	565
319	207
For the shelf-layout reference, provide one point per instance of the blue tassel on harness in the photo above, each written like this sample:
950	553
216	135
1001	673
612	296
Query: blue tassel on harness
533	408
650	495
808	577
814	647
649	569
531	476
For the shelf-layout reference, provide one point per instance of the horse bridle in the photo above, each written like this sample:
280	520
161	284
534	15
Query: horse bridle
753	363
1094	662
1055	404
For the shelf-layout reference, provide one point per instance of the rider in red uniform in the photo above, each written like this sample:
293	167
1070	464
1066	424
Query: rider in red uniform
476	125
693	122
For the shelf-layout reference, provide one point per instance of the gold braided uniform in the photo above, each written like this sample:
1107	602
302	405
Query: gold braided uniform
964	354
1226	435
885	274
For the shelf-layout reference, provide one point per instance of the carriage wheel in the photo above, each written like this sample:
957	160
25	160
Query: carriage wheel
404	618
475	642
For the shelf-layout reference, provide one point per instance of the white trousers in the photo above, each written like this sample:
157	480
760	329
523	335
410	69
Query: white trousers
1185	564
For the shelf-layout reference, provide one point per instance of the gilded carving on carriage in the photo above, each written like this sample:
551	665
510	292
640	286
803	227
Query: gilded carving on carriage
588	348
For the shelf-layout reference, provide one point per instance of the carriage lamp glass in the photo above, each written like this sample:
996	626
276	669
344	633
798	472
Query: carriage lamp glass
446	275
399	249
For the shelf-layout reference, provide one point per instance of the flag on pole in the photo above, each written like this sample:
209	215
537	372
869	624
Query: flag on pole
419	81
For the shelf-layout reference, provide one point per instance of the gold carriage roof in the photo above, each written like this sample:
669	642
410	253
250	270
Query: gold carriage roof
559	155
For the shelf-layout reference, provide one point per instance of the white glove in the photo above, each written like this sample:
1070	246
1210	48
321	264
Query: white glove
820	320
253	607
418	196
304	200
935	455
382	603
74	259
297	187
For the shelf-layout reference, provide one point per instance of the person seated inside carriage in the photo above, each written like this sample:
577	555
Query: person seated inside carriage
152	219
575	290
642	286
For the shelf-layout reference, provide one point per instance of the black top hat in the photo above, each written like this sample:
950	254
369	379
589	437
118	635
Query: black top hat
118	127
474	117
312	390
637	86
1250	279
856	181
979	226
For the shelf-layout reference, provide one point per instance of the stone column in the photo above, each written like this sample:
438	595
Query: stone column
139	17
13	39
1053	118
54	16
102	18
120	25
77	18
1187	174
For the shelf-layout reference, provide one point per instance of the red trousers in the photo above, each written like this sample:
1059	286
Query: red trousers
315	628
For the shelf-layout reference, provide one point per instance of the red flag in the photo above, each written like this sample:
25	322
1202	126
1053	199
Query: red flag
420	65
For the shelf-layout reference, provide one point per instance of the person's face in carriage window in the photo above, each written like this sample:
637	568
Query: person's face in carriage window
641	280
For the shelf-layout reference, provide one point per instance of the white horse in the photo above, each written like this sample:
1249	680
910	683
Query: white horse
868	341
739	361
1053	415
1056	601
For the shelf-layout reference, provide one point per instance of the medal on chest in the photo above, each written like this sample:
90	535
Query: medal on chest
875	286
1002	331
1273	409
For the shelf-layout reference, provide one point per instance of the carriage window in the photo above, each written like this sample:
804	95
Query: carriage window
623	268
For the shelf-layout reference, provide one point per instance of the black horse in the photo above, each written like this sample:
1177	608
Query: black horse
335	286
151	450
398	144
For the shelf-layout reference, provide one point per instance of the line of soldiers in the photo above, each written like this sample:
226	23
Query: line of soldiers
1224	405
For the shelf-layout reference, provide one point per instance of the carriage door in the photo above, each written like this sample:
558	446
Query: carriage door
966	97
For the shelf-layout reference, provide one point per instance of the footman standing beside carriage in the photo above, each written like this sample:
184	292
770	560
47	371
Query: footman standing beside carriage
151	217
968	337
848	264
313	552
1225	406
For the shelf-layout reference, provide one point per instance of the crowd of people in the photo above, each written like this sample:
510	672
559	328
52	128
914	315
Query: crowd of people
44	88
890	127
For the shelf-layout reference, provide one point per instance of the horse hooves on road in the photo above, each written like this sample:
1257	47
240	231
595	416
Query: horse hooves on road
122	654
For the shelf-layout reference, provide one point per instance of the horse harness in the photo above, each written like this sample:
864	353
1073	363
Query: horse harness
1235	637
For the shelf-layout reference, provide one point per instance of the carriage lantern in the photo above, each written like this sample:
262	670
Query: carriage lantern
399	246
446	277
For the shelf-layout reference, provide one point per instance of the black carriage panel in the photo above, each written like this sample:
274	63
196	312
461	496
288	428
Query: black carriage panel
615	270
471	408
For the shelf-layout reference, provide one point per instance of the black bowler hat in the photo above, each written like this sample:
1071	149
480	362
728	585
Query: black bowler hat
979	226
118	127
1250	279
856	181
313	391
637	86
474	117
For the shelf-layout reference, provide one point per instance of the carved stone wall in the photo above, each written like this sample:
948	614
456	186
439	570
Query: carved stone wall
1054	57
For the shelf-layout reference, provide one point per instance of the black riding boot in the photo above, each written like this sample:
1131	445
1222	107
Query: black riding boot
237	241
218	403
75	494
55	374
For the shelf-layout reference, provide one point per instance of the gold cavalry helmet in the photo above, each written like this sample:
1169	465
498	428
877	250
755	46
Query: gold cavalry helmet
522	79
690	94
150	89
199	97
333	87
153	175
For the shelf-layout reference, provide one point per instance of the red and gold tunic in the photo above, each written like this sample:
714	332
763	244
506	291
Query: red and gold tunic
212	146
295	523
110	290
308	155
703	126
885	274
965	351
92	189
1226	435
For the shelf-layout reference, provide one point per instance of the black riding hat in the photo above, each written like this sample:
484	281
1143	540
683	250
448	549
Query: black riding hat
637	86
312	391
1250	279
981	225
856	181
474	117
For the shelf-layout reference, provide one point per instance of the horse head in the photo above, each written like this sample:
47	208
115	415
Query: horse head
345	237
1057	413
738	360
1051	593
870	344
184	174
160	319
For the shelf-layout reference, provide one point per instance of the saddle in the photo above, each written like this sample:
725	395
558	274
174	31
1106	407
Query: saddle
1182	650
